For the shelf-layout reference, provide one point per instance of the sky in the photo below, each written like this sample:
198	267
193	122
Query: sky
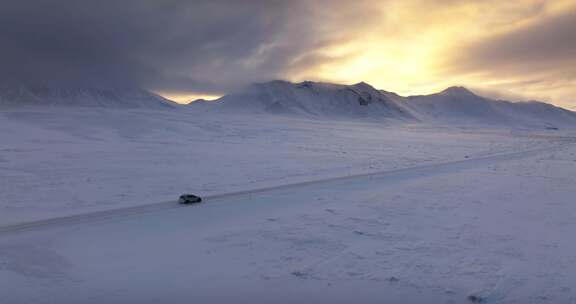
185	49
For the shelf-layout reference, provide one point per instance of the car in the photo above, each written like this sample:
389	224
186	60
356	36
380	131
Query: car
186	199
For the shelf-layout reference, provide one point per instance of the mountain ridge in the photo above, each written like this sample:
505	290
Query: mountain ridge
454	105
23	95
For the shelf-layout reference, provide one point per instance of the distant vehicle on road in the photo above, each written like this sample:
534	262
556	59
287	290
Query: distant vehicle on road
186	199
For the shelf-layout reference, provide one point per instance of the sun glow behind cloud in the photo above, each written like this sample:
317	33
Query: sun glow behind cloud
420	47
185	98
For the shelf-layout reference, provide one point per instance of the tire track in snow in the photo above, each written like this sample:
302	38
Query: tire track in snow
430	169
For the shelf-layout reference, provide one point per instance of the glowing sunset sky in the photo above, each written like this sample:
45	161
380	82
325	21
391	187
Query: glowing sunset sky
523	49
518	48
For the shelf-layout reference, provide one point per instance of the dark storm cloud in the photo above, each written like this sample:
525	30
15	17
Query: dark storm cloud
170	45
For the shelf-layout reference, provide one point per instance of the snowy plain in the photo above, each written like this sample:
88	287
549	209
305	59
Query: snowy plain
495	229
61	161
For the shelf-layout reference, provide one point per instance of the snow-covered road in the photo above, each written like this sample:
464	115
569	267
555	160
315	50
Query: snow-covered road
498	229
410	171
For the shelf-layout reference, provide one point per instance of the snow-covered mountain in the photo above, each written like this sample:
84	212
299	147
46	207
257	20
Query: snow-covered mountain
461	106
312	99
16	96
455	105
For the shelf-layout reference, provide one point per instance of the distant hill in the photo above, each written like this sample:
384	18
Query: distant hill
461	106
18	96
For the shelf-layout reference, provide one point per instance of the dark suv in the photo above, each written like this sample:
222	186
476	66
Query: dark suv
189	199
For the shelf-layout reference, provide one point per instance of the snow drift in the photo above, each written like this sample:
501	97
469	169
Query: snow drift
81	97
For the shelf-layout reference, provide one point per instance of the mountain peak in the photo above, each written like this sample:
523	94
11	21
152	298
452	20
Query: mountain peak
458	90
364	85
